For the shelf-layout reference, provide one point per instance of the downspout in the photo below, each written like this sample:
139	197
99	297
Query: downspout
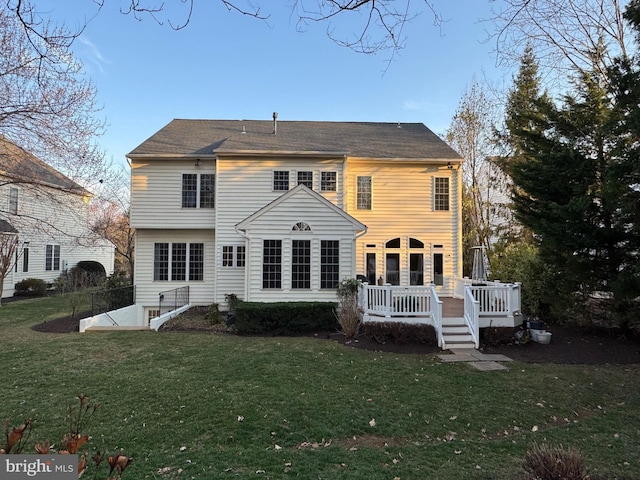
246	262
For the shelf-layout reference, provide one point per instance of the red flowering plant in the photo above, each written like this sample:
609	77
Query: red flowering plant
78	416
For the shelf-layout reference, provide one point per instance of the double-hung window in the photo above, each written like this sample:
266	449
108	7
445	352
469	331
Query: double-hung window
52	258
328	182
306	178
272	264
441	194
178	261
301	264
363	193
329	263
198	190
281	180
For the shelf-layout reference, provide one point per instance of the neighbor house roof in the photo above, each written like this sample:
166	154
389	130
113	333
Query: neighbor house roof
23	167
6	227
354	139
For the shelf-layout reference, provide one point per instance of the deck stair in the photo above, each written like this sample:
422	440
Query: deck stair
456	334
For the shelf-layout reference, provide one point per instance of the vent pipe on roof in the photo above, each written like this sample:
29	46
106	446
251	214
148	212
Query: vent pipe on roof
275	123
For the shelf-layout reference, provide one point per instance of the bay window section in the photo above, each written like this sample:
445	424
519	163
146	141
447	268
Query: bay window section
329	263
301	264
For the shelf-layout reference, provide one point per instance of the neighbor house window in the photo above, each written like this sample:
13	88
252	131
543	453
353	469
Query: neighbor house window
272	264
328	182
198	190
233	255
178	261
301	264
441	193
13	200
52	258
25	259
329	263
306	179
363	194
281	180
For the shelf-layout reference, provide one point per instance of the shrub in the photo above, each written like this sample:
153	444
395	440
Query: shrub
284	318
498	335
88	272
31	287
213	314
400	333
347	313
543	462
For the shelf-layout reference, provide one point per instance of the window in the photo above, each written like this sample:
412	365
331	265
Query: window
441	194
25	259
306	179
170	261
438	268
228	256
13	200
280	180
196	261
416	269
363	194
301	227
328	182
179	261
415	243
272	264
393	243
301	264
161	261
329	263
52	258
198	190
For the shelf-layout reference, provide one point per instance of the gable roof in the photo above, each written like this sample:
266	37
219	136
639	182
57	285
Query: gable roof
300	188
6	227
355	139
24	167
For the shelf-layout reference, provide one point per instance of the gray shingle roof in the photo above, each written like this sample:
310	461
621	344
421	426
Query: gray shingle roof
21	166
6	227
355	139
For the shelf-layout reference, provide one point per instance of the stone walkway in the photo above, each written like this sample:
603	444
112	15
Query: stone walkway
480	361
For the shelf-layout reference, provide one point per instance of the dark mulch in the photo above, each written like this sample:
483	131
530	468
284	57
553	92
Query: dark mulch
568	345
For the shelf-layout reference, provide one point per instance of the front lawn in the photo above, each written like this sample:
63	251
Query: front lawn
209	406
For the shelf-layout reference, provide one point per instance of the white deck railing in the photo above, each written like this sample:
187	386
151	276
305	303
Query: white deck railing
472	315
497	300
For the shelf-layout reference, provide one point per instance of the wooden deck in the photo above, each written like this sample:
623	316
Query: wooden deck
452	307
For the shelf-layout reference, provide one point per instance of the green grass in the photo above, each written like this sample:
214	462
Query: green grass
175	400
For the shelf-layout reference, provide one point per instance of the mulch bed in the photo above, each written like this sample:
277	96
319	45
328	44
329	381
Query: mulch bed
568	345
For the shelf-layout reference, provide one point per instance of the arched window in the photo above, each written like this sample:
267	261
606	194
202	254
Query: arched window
301	227
415	243
393	243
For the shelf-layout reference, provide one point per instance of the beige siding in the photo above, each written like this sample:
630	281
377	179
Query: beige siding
147	290
156	195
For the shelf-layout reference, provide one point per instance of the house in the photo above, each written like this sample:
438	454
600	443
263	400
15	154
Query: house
283	210
49	214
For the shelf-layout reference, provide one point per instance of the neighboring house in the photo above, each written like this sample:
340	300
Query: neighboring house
282	211
49	214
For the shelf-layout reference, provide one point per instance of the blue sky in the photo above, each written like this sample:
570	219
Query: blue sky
227	66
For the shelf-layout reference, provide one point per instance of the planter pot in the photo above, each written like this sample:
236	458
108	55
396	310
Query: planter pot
537	325
544	338
534	333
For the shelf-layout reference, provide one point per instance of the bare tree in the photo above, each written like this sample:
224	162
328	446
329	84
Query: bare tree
47	107
565	35
8	248
485	199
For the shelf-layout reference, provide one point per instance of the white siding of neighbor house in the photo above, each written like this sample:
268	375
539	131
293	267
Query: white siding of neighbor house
47	216
148	290
156	194
277	224
244	186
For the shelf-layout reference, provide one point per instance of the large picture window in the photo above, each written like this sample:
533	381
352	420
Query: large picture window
329	263
301	264
52	258
363	193
178	261
272	264
198	190
441	193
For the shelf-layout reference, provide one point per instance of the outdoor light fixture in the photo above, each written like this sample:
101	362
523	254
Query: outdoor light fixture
449	166
197	162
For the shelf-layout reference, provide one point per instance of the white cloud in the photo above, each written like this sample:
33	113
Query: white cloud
90	54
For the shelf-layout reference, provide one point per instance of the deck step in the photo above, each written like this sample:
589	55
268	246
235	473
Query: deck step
456	334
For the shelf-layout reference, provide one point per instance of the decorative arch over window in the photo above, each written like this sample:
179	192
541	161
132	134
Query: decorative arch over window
415	243
393	243
301	227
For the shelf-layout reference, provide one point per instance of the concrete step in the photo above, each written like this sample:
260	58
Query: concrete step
458	345
115	328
